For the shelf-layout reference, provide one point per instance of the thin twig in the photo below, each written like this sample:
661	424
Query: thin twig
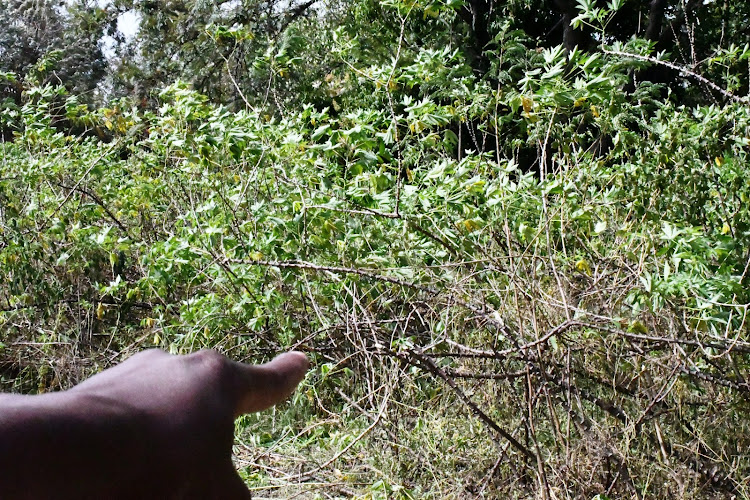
430	366
682	70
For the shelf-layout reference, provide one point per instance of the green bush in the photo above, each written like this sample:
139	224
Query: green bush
481	325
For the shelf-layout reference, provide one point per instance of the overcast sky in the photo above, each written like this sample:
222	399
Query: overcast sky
127	24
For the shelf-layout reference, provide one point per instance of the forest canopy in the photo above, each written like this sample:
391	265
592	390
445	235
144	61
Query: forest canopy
514	236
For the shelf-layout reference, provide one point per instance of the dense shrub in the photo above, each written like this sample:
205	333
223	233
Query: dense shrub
484	321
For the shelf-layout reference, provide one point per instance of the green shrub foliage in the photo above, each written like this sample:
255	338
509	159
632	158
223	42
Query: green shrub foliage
521	268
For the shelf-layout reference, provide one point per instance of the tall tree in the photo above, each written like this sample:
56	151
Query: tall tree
33	29
227	50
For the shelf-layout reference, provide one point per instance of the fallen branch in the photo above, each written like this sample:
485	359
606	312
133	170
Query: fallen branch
431	367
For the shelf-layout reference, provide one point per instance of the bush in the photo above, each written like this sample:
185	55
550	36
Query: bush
575	326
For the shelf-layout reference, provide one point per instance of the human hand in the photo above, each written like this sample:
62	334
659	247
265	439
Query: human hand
155	426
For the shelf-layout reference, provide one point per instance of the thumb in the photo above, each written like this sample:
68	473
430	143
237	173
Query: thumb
263	386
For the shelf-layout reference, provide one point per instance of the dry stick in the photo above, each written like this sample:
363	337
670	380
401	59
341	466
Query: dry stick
734	346
682	70
486	376
608	407
416	452
293	15
299	264
107	301
85	174
477	353
310	473
530	398
99	202
584	424
488	477
663	392
718	478
707	377
430	366
234	82
477	309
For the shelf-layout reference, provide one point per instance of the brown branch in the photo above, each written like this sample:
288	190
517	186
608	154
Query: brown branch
477	309
294	14
485	376
78	300
737	346
431	367
719	479
608	407
677	23
309	266
99	202
713	379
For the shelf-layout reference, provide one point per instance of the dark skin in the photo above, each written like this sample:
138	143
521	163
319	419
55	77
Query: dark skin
156	426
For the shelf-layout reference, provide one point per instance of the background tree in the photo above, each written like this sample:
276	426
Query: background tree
234	52
33	29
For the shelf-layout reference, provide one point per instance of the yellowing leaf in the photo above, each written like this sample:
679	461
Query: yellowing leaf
470	225
583	266
528	104
100	311
431	11
637	327
725	229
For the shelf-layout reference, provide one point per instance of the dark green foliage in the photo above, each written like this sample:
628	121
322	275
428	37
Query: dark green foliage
32	31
